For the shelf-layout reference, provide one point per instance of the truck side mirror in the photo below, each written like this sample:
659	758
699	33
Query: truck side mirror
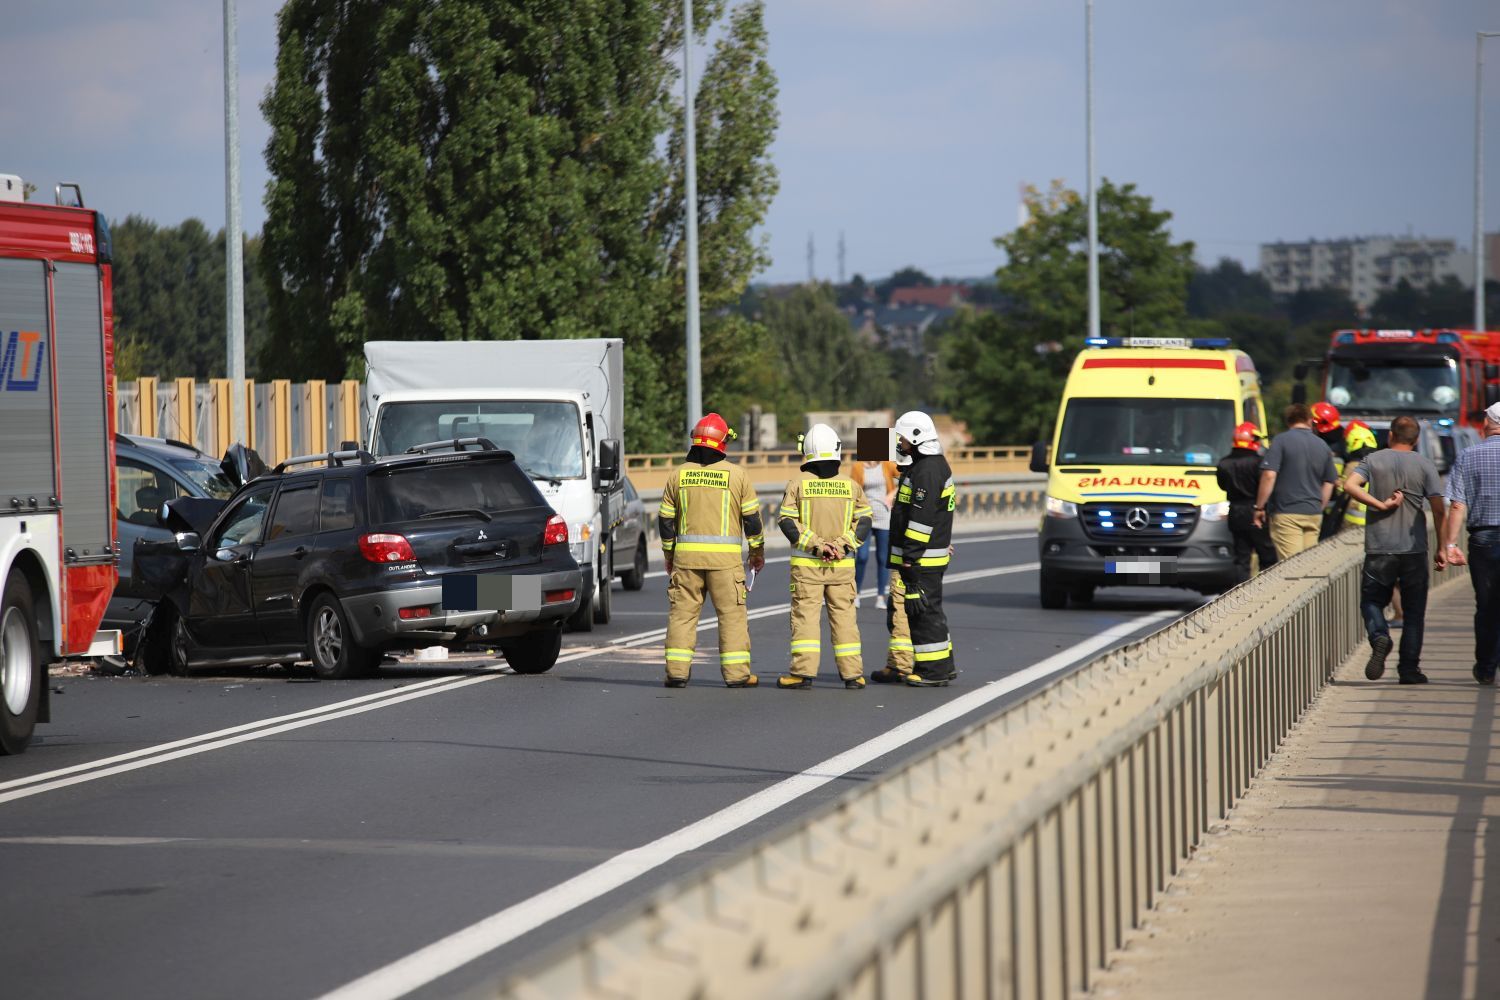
1299	391
1492	372
1491	395
1039	456
609	460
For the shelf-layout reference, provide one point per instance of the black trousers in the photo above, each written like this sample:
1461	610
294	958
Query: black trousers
1247	539
1383	574
932	646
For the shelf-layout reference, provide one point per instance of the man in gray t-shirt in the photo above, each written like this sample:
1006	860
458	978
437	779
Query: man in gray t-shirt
1296	479
1393	483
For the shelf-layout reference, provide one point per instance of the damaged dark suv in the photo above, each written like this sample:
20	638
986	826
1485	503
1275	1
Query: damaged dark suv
338	558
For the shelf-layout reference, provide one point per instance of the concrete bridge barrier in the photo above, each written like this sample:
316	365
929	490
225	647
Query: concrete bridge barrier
1010	862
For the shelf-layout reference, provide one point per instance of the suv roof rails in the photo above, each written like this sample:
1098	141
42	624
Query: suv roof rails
333	458
453	444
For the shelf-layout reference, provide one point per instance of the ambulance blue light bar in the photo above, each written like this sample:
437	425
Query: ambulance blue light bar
1180	343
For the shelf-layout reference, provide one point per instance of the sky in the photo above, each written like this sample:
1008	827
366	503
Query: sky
907	126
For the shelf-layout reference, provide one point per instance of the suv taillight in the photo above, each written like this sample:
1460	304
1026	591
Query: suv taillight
556	532
383	548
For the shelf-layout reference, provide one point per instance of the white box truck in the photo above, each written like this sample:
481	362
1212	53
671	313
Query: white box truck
557	405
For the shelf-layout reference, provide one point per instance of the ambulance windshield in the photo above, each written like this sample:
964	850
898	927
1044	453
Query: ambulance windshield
1109	431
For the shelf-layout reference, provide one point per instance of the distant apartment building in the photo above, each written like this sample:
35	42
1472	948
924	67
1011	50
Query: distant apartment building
1364	266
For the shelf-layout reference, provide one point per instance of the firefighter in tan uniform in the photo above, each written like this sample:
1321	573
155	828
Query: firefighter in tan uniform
708	509
826	518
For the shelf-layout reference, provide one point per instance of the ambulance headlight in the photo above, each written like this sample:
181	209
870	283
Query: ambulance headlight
1061	508
1214	511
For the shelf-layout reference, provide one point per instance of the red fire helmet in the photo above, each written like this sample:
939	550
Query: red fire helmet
1247	435
1325	417
711	432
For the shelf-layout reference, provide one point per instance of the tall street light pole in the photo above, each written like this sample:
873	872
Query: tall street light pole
1088	116
1479	37
690	168
234	277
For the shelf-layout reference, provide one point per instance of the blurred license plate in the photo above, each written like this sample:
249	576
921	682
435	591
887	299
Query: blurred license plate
1141	567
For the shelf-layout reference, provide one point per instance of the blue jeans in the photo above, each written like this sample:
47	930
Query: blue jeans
1383	574
1484	570
880	541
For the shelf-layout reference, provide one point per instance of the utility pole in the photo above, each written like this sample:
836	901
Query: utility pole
841	257
690	168
1093	204
812	272
1479	268
234	266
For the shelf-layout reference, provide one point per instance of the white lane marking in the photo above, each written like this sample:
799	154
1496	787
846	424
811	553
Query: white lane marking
458	949
65	777
957	540
163	747
77	779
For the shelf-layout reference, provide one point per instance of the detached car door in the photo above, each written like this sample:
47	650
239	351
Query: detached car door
220	612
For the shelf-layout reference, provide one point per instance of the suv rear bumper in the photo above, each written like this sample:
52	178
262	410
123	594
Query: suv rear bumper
376	618
1204	560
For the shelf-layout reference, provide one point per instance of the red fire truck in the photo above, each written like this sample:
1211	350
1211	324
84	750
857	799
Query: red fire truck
1441	375
58	548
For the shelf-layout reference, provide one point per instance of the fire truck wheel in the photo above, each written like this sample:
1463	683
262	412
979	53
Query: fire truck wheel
22	672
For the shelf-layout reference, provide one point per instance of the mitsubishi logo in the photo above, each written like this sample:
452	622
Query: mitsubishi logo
482	535
1137	518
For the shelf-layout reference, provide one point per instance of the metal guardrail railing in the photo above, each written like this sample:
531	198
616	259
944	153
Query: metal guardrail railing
650	471
1011	861
980	498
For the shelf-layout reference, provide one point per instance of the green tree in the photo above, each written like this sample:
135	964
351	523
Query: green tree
1229	289
502	170
907	277
816	360
1003	375
169	300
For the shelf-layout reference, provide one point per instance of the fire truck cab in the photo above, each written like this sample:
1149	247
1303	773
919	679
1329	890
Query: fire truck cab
58	547
1376	375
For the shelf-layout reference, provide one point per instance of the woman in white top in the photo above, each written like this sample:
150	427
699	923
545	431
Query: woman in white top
879	482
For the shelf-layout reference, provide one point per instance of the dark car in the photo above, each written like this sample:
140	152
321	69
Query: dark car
630	536
339	558
151	472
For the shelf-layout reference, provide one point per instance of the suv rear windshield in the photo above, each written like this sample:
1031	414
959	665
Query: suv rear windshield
413	491
1107	431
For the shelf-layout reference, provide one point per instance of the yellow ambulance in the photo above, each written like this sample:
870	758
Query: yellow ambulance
1132	496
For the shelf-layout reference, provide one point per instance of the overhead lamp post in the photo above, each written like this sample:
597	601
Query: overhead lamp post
1088	117
1479	37
690	170
234	272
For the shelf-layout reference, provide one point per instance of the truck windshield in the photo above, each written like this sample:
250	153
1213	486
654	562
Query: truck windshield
545	437
1372	385
1106	431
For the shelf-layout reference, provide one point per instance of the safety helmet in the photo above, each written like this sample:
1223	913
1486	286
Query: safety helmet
1325	417
1247	435
918	428
821	444
1360	436
712	432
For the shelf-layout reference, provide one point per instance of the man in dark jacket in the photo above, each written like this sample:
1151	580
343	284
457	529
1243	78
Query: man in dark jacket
921	534
1239	478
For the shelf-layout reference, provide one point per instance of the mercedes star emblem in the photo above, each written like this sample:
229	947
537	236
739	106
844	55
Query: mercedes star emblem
1137	518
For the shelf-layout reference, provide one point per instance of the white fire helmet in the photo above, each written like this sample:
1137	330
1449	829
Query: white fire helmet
917	427
821	444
